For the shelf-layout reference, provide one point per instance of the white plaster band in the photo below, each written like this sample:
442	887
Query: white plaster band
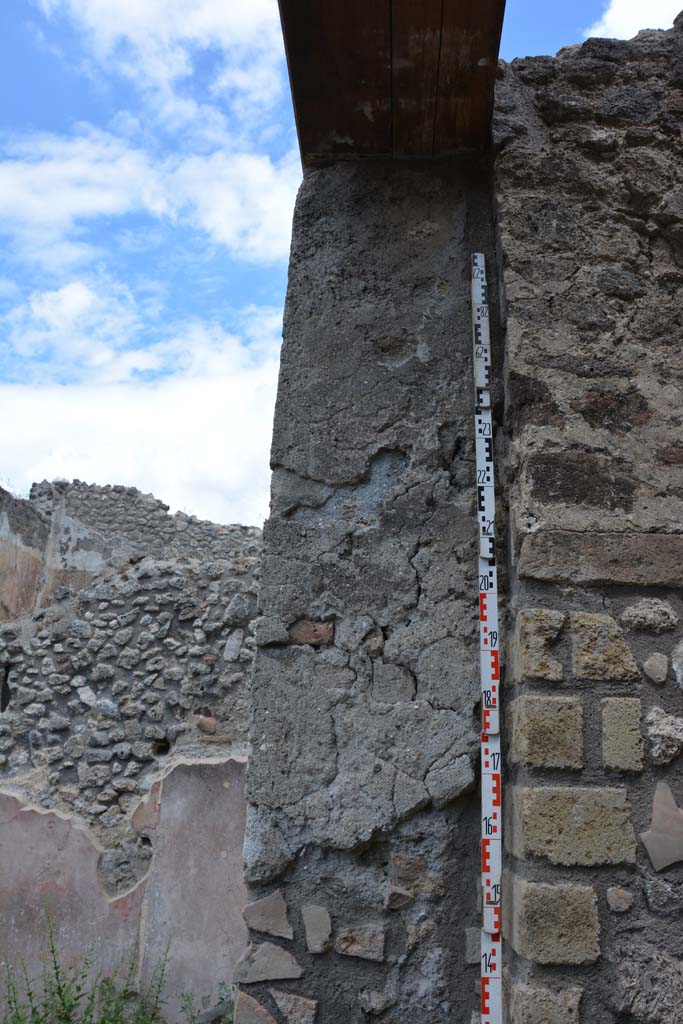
491	979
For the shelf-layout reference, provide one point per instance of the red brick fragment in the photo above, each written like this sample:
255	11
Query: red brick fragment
316	634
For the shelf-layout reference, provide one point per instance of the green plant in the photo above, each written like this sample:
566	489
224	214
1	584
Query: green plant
73	995
222	1013
81	995
226	996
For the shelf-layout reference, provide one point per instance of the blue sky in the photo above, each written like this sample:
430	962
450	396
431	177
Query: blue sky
148	168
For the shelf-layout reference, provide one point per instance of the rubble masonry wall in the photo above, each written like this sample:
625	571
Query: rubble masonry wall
124	707
589	193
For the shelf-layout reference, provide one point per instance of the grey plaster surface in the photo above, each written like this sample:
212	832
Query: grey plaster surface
372	530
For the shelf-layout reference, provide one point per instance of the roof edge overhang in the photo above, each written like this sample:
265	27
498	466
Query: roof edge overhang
391	79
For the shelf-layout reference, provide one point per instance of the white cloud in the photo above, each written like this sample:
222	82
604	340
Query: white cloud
163	33
53	187
260	84
244	201
624	18
53	179
198	438
156	44
185	411
73	326
94	333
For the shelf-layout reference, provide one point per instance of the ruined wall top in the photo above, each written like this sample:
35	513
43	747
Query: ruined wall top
125	649
125	655
56	542
140	519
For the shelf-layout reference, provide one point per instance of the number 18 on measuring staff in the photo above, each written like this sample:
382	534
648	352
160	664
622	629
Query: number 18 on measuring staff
489	656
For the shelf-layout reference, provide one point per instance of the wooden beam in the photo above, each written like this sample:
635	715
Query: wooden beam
382	78
339	57
467	73
416	41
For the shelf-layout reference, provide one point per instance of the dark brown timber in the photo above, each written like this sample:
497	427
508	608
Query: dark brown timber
382	78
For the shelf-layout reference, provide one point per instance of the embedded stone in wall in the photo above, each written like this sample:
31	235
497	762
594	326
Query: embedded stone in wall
413	874
266	962
206	724
317	927
233	645
663	897
648	983
599	649
269	915
396	897
552	924
635	559
664	735
473	945
374	1002
249	1011
545	732
651	614
619	900
622	742
664	839
317	634
296	1009
531	1004
656	668
571	825
677	664
363	941
535	631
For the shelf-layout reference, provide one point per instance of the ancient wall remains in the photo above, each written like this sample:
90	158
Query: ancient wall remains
362	806
23	540
589	191
54	544
362	829
135	523
123	736
128	634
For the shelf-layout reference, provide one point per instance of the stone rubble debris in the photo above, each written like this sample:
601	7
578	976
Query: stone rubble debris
269	915
665	736
656	668
266	962
664	839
